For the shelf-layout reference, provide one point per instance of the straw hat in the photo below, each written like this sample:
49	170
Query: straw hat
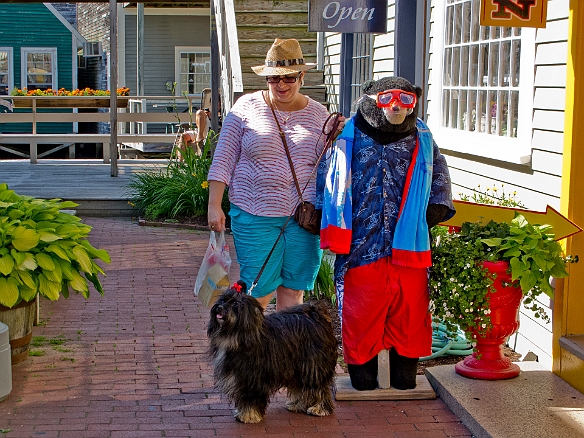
283	58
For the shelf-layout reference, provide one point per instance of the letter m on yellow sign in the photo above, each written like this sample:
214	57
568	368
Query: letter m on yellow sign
513	13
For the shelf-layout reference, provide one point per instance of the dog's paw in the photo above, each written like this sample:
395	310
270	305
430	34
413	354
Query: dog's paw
296	406
248	415
318	410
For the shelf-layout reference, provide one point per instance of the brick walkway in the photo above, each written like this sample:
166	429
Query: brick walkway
132	363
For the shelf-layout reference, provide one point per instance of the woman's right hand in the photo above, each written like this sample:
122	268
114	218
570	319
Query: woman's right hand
215	214
216	218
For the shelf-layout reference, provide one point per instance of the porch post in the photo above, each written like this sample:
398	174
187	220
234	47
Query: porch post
215	69
114	86
346	74
568	318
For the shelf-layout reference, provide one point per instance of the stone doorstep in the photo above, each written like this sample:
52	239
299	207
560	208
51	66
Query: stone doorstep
574	344
537	403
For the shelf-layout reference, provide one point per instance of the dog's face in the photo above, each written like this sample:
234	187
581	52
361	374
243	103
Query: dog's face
236	319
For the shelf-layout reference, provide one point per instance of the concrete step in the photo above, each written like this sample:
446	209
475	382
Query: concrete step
536	404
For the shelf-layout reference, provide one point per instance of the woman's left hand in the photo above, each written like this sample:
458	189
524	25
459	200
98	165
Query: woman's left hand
340	127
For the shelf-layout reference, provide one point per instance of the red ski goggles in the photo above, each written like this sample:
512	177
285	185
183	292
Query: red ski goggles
404	98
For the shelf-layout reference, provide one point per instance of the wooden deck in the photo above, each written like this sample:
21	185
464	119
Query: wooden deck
87	182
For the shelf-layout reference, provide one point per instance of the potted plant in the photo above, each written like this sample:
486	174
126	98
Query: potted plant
43	251
480	275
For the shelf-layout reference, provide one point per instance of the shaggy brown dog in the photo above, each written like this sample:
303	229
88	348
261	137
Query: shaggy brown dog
255	355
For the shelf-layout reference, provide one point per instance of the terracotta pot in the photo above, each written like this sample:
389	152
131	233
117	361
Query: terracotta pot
488	361
19	320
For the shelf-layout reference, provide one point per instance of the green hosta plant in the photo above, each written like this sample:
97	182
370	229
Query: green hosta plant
43	250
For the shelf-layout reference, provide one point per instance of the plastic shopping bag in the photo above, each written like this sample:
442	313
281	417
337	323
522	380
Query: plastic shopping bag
213	277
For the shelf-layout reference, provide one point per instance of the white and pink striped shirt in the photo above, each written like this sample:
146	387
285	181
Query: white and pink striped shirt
250	157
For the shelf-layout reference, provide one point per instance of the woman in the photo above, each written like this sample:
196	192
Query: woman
250	158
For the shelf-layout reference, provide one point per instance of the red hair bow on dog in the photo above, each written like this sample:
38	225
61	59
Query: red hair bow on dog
236	287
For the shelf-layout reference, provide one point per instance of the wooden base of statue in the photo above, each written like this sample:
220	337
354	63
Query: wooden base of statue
345	391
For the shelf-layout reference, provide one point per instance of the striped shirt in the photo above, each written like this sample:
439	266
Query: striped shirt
250	157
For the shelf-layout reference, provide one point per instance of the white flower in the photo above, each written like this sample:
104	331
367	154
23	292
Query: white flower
484	325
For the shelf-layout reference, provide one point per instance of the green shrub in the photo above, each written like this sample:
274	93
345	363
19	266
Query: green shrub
179	190
324	286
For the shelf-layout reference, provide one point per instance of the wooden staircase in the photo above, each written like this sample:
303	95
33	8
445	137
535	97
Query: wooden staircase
259	23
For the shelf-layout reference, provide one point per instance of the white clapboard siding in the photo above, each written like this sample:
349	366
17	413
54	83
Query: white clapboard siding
549	99
533	335
384	47
550	76
552	141
552	53
530	185
558	11
332	69
548	162
556	30
548	120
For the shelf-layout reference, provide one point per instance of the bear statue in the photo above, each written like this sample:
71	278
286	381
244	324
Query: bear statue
384	185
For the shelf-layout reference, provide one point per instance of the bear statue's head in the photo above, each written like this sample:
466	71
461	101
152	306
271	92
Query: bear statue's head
388	109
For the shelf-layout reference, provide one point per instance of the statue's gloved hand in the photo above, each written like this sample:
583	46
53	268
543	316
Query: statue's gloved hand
435	213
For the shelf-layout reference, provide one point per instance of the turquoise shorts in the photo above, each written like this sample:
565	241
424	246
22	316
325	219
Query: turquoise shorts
293	264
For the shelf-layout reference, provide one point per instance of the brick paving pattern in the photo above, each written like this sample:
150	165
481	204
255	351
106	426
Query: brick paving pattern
133	363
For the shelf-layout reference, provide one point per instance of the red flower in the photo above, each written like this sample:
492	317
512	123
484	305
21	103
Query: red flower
236	287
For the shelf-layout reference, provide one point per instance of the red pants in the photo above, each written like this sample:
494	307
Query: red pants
386	306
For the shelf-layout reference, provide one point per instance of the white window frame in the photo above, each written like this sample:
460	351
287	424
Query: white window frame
10	52
23	64
515	150
178	50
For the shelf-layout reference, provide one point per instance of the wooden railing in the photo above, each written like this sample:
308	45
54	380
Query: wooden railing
134	117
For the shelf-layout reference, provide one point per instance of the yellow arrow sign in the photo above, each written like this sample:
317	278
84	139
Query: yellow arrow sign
472	212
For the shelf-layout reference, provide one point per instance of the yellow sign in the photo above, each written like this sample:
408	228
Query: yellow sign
513	13
472	212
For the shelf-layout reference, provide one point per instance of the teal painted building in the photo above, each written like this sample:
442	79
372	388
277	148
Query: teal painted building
38	50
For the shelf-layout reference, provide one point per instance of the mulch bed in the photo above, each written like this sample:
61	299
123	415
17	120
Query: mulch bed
200	223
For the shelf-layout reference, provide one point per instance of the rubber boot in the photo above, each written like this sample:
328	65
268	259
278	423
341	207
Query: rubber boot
402	371
364	377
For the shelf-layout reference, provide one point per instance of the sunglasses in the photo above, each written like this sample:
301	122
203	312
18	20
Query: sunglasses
404	98
285	79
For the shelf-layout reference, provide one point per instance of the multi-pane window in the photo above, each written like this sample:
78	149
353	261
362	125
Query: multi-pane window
194	70
39	68
6	78
362	65
480	91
